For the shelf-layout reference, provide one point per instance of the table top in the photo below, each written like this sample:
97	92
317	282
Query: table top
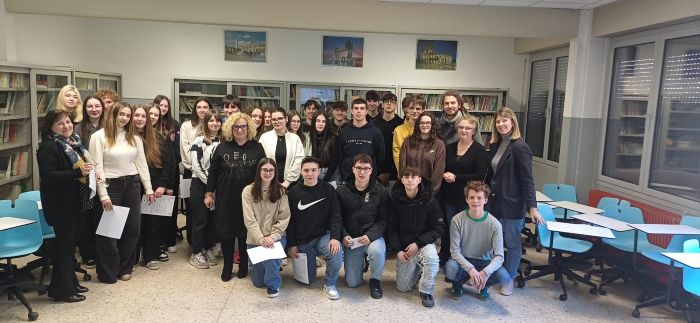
604	221
582	229
9	222
540	197
689	259
666	228
573	206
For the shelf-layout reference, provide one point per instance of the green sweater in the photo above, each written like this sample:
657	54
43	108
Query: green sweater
478	239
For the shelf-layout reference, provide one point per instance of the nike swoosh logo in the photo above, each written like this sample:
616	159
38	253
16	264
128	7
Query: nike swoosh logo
303	207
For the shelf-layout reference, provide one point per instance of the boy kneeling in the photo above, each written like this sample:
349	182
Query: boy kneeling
476	245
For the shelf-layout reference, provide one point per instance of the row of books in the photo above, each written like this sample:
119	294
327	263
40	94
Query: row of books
14	164
486	123
265	104
44	101
8	132
50	81
632	148
480	103
7	102
259	91
13	80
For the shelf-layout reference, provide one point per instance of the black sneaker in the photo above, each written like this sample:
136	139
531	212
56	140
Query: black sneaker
375	288
427	300
272	293
90	263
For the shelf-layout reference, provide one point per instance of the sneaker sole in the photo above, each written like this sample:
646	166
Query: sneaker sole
329	296
200	266
273	295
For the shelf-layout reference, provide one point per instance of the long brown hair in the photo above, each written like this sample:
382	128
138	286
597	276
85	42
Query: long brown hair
150	141
414	139
325	149
194	119
291	114
110	126
204	127
85	123
166	123
276	190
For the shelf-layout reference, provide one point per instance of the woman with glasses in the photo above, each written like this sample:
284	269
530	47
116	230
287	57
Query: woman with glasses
465	161
284	147
294	125
266	216
233	168
256	114
425	150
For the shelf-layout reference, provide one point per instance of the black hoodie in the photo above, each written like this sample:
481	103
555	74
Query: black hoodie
315	210
352	140
416	220
364	212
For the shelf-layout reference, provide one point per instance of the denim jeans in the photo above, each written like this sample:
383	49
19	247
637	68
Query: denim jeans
319	246
512	244
355	261
267	273
455	273
424	265
450	209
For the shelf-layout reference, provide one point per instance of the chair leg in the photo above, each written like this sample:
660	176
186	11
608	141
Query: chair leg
541	273
652	302
558	274
18	292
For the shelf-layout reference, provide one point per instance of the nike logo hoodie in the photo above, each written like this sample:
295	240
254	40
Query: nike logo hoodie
315	210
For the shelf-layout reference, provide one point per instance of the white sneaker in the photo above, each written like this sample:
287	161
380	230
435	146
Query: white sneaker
320	262
217	250
153	265
506	288
198	261
210	256
284	262
331	292
172	249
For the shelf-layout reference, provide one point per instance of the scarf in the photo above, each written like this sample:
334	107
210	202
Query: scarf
74	149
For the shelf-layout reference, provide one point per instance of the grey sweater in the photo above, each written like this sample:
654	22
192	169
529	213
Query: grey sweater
479	239
505	141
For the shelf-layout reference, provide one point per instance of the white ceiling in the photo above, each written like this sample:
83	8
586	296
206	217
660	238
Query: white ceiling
558	4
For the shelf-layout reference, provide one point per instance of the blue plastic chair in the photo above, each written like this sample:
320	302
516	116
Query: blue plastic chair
560	192
624	241
20	242
691	276
558	245
611	202
676	244
46	230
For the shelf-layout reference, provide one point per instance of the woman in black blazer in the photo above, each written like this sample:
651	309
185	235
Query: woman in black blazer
64	166
512	187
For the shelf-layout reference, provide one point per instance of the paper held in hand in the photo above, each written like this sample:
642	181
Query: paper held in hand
162	206
112	222
300	268
260	254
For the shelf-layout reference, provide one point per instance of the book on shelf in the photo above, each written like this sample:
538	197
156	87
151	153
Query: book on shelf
42	105
5	166
10	191
49	81
7	102
13	80
19	163
480	103
8	131
486	123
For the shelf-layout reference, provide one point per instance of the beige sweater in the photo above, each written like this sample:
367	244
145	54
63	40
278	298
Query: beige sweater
264	218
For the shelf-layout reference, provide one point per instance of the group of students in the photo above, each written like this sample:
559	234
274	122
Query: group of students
402	185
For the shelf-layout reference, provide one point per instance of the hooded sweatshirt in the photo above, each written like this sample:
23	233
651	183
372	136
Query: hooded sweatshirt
355	140
315	210
417	219
364	212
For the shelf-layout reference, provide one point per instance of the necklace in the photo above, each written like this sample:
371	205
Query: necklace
461	150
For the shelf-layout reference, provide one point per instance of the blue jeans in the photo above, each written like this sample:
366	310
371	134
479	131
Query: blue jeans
450	209
267	273
355	261
319	246
424	265
512	244
457	274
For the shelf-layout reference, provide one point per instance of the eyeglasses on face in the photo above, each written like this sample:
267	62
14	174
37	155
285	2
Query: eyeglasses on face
363	169
278	119
240	127
465	128
267	170
425	123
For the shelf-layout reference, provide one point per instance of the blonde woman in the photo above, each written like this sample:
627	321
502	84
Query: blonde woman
69	101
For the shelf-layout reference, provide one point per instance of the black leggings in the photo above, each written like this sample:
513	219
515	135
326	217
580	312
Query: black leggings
227	248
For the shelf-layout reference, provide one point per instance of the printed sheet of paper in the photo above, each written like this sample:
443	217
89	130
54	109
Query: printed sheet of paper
185	184
92	183
162	206
356	243
260	254
112	222
300	268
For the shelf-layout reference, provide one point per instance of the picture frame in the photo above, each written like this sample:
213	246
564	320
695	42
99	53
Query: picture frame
436	55
343	51
245	46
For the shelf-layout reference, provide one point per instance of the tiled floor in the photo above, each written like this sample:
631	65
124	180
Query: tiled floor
180	293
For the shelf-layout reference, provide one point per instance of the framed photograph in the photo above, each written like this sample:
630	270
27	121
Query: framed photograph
439	55
245	46
343	51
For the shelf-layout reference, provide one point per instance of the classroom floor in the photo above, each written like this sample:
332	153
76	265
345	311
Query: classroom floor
178	292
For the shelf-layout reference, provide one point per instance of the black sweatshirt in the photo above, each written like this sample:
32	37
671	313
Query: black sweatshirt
315	210
352	141
416	220
364	212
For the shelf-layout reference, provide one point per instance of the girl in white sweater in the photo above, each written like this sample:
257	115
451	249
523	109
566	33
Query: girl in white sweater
284	147
121	168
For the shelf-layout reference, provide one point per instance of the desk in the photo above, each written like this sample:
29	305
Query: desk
9	222
573	206
604	221
581	229
691	260
540	197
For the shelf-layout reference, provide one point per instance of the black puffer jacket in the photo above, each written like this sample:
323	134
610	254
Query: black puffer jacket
416	220
364	212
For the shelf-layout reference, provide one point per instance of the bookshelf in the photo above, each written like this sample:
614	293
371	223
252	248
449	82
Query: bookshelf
89	82
265	95
15	130
187	92
482	103
351	93
299	93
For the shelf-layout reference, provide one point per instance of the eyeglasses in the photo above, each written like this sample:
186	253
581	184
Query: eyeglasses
278	119
426	123
240	127
363	169
465	128
295	121
267	170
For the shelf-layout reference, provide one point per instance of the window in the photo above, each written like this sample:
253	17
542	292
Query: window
545	107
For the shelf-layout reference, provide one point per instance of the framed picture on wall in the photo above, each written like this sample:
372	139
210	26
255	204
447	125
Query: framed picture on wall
343	51
245	46
439	55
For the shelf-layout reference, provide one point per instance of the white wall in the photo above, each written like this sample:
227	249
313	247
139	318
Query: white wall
151	54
